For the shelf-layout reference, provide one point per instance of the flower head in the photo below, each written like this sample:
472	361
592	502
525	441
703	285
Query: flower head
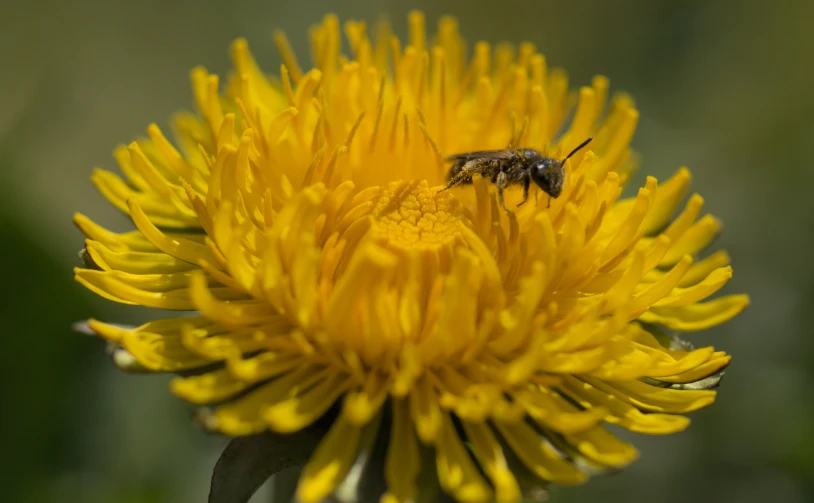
300	217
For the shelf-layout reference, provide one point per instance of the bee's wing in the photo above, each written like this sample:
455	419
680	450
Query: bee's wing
482	154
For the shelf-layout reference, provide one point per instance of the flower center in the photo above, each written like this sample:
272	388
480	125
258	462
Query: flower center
414	216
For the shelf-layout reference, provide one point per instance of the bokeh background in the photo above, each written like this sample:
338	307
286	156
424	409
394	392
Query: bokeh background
725	88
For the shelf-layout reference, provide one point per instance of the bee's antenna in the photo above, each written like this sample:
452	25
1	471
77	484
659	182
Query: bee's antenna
581	145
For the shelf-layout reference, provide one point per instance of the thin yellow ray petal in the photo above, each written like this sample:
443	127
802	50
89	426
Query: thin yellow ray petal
207	388
493	461
135	262
654	399
402	463
538	455
694	239
621	412
425	411
109	287
363	404
698	316
182	249
713	365
601	446
552	411
229	313
298	412
330	462
699	291
668	196
243	416
155	352
457	472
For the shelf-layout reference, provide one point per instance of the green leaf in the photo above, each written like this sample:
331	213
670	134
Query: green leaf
247	462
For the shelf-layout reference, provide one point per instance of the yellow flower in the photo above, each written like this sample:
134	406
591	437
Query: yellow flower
301	218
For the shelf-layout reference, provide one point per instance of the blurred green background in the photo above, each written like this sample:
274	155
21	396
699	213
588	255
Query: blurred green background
724	88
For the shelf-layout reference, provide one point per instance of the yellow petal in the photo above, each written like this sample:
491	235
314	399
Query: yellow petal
599	445
402	464
494	463
425	411
300	411
538	455
244	416
697	316
330	462
549	410
457	472
621	412
655	399
207	388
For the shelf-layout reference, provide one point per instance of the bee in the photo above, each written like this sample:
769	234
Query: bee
511	166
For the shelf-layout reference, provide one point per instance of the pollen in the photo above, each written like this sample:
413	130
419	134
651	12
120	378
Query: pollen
413	216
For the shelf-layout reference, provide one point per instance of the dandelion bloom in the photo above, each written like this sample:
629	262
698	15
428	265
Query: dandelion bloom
299	217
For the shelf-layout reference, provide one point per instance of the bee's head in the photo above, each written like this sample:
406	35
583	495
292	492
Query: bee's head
549	173
549	176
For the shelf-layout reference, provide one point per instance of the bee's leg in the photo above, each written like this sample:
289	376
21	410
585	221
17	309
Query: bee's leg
454	179
526	184
463	172
502	182
452	182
